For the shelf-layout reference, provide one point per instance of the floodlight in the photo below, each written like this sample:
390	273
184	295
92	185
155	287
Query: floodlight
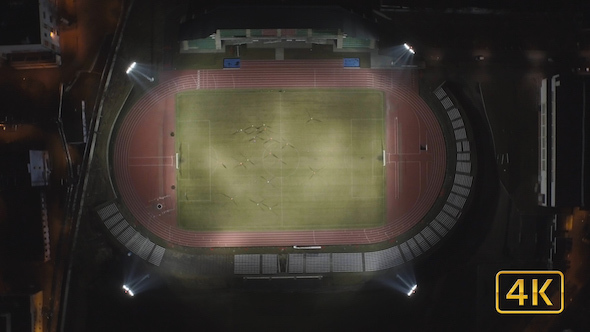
128	290
412	290
409	48
130	68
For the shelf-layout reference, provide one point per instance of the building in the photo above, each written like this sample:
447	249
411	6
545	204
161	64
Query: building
563	152
276	27
29	34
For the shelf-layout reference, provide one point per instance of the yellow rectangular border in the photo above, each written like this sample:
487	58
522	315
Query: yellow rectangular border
529	311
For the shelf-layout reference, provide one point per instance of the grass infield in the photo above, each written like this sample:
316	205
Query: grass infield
293	159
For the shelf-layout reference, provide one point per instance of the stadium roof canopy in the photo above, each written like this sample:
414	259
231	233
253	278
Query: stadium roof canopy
277	17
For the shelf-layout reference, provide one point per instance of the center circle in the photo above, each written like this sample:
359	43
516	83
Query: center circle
280	160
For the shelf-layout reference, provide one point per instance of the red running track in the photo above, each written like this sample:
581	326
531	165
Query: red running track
144	156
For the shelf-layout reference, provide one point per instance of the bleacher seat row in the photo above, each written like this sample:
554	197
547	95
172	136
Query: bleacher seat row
128	236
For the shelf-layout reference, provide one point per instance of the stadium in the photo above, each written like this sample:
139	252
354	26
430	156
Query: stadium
281	165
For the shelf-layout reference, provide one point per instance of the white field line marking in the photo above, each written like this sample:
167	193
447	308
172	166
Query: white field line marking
373	148
163	158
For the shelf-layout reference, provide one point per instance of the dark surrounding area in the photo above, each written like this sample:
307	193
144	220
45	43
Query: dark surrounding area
15	308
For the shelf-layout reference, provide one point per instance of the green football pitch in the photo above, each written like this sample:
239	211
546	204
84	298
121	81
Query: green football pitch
263	160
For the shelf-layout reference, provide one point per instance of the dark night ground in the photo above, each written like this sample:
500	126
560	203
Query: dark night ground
166	310
447	295
452	293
